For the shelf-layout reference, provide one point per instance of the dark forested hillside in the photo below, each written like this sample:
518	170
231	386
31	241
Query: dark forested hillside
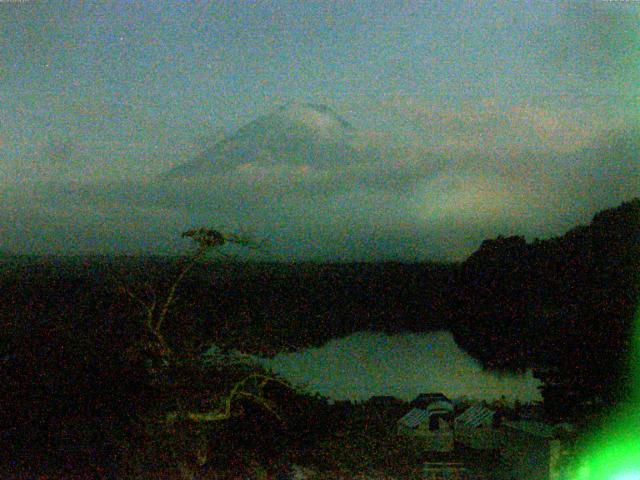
68	343
564	306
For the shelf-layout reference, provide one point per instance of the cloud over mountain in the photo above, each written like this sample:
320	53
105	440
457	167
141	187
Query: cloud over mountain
301	135
317	186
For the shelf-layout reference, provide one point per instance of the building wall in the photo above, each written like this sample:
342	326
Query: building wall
560	455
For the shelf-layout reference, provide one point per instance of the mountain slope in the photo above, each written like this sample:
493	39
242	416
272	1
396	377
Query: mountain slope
295	134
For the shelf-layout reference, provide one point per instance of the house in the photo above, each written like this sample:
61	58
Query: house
432	425
533	450
425	399
476	428
476	416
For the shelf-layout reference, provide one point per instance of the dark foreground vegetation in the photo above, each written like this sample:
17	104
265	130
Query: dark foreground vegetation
80	395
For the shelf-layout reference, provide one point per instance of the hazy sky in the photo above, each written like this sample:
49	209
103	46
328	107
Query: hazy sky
503	117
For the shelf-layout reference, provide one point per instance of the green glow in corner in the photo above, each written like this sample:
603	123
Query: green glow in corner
628	476
614	453
615	458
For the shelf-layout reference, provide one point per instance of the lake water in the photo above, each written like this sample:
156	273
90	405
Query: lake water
404	365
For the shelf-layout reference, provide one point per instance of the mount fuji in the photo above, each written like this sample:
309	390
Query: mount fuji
296	134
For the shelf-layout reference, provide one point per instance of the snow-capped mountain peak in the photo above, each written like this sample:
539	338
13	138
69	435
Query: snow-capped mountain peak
294	134
316	116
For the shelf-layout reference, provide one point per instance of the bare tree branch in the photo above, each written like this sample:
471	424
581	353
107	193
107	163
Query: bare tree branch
225	403
237	391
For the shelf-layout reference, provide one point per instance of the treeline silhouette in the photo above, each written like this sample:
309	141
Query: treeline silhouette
562	306
73	379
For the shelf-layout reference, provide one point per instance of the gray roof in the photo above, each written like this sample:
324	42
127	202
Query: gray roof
475	416
440	406
432	396
414	417
426	398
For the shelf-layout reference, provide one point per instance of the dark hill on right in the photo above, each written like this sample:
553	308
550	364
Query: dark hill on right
564	307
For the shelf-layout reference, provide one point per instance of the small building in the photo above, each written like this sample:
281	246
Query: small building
476	416
476	428
532	450
432	425
425	399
